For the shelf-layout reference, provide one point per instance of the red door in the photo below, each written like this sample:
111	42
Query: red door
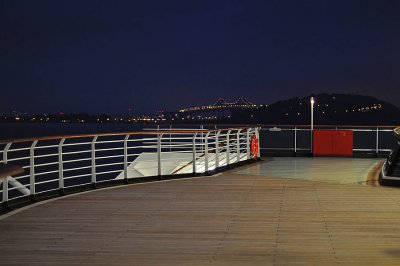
322	142
343	142
333	142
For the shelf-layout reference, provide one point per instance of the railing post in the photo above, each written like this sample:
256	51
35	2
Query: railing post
217	149
377	141
32	170
170	138
202	138
248	144
206	153
238	145
93	149
126	159
5	180
60	167
159	150
194	153
257	130
227	147
295	139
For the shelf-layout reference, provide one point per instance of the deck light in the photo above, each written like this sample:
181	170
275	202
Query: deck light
312	121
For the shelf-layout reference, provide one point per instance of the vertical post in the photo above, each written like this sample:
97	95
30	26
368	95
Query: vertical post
377	141
295	139
126	159
238	145
257	130
32	170
60	167
217	149
194	153
170	139
248	144
93	149
206	153
227	147
202	138
159	150
5	180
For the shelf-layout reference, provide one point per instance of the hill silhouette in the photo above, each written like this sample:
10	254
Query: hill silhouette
329	109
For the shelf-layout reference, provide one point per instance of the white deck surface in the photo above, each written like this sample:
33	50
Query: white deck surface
334	170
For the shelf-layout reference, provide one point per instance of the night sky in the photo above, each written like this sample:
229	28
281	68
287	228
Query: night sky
108	56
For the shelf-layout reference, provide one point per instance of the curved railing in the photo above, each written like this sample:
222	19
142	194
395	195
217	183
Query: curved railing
59	163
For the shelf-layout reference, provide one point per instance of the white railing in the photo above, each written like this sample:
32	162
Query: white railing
377	140
297	139
57	163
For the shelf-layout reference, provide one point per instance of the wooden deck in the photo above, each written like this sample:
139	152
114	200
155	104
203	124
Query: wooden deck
229	219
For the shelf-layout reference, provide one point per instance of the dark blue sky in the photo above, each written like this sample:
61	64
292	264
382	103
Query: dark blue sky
107	56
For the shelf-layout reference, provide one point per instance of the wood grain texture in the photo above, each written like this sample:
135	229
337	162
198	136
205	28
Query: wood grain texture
228	219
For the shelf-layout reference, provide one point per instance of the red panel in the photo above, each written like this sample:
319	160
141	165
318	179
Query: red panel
333	142
343	142
323	142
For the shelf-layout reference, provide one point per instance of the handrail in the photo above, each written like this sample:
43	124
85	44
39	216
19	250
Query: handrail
331	126
155	132
281	125
117	157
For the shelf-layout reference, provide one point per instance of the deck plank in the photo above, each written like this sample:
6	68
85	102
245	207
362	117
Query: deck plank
229	219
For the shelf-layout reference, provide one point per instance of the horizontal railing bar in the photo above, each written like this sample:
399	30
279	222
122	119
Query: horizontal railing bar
46	155
108	164
44	191
46	173
45	164
371	150
110	149
46	147
186	131
165	143
76	176
21	177
178	152
45	182
19	149
141	139
107	157
82	184
109	172
18	159
77	168
109	141
77	144
75	152
77	160
16	197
